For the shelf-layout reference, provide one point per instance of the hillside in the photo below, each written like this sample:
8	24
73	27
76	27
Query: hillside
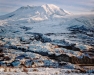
39	39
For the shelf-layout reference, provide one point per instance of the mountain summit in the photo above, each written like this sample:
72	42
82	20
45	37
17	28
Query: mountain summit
36	12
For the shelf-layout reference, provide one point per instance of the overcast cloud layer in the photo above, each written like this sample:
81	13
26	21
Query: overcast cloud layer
74	6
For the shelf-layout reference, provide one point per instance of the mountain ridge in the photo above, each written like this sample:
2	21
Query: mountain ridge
43	12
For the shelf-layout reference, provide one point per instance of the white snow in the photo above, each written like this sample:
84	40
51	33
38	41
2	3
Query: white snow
43	19
36	13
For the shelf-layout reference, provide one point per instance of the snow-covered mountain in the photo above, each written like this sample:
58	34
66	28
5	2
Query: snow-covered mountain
36	13
46	37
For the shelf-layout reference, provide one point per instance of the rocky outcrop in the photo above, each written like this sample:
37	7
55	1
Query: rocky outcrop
84	60
36	36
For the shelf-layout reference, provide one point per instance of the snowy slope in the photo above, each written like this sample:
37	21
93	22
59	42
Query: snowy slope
38	13
46	30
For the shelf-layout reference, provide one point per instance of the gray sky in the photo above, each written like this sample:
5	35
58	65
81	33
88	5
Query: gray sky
74	6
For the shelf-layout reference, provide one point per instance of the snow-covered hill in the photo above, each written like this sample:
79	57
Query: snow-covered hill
47	36
38	13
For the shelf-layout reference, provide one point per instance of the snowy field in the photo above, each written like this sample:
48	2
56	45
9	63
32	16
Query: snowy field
46	40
